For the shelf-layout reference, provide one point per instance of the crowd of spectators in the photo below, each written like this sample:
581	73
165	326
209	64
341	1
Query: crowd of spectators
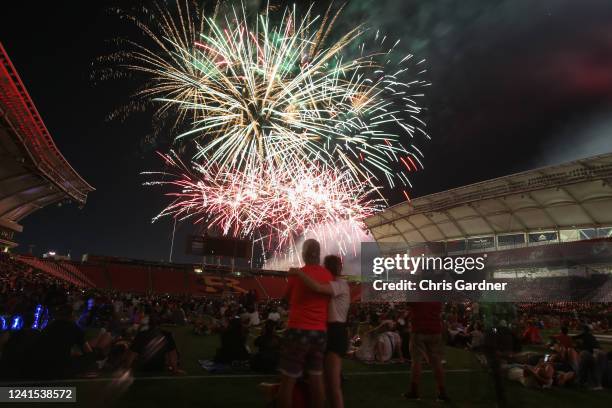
88	332
537	344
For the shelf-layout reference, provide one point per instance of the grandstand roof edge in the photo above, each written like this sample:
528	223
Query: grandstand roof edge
44	137
377	219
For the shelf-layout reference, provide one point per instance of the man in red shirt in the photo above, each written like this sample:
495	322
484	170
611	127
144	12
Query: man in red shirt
426	341
563	338
305	338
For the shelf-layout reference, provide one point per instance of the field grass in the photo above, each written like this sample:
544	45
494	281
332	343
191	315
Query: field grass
372	386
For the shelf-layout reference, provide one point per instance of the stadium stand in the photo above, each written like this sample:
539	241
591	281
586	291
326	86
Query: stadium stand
603	293
33	172
96	274
167	280
56	270
567	202
546	232
161	279
76	272
129	278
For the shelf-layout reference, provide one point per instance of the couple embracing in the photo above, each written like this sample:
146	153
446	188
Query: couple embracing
316	338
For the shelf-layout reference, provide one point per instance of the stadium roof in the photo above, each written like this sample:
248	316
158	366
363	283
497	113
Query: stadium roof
567	196
33	172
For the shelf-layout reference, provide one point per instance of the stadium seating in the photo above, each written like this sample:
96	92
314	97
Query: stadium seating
168	280
270	286
129	278
96	274
144	277
75	271
56	270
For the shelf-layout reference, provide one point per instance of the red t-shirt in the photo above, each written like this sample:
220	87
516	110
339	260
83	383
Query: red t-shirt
308	309
426	317
565	340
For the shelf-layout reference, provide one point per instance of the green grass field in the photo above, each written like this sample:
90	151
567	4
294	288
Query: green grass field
369	386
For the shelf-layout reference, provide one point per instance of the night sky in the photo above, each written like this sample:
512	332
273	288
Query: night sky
516	85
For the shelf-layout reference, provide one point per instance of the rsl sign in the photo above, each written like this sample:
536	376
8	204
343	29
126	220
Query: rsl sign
218	285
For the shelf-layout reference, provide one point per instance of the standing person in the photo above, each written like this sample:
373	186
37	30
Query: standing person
426	341
306	335
337	331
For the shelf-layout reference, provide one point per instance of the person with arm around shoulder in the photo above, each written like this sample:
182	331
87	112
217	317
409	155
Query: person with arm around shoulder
306	335
337	331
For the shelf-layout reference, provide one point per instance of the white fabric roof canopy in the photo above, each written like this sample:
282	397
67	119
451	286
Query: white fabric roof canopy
571	195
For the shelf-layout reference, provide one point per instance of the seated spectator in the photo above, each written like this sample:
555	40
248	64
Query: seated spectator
154	349
564	358
380	343
532	335
563	339
365	349
268	349
592	360
274	315
54	358
205	324
542	375
366	342
388	346
17	361
233	343
178	316
136	317
253	316
457	335
117	355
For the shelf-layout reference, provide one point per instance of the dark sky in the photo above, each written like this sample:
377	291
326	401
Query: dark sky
516	85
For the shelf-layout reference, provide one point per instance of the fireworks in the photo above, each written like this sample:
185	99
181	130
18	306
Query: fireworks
290	130
279	205
271	95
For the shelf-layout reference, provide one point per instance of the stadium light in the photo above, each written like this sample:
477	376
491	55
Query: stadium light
197	270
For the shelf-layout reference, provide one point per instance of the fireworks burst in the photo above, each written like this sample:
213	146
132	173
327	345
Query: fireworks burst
279	205
291	130
271	95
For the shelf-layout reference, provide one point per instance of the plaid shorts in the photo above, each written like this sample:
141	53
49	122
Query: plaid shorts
302	350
